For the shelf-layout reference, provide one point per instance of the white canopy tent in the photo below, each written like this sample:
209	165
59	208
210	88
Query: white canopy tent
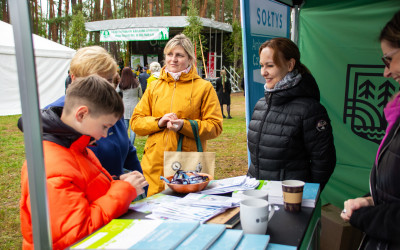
52	64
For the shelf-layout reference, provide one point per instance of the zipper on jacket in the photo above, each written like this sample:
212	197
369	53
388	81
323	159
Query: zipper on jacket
259	135
173	95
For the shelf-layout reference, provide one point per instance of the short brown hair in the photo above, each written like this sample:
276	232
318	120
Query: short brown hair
93	60
284	49
184	42
97	94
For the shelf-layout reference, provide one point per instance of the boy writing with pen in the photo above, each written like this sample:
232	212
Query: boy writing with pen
82	196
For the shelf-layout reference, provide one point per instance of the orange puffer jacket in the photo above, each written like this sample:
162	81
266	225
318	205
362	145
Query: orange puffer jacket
82	196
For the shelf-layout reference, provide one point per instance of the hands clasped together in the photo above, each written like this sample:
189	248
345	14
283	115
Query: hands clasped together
354	204
136	179
171	121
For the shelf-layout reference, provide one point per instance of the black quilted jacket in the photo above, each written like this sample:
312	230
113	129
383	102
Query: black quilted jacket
290	136
381	221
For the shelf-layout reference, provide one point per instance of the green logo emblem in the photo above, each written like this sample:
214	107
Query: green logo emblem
106	34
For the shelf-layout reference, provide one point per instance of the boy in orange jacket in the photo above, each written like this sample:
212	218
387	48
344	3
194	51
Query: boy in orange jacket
82	196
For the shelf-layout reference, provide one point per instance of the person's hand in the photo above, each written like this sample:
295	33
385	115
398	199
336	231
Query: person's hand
354	204
136	179
166	118
175	125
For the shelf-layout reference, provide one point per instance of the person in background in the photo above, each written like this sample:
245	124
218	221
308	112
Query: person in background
138	69
115	152
223	88
67	81
131	93
82	196
143	76
378	213
115	80
290	133
164	112
155	68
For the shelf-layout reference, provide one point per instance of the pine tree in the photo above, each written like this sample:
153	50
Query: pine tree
193	31
76	36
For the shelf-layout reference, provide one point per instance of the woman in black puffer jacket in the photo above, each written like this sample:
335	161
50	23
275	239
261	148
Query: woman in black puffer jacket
290	134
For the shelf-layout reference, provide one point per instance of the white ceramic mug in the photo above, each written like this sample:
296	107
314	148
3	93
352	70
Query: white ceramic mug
254	215
255	194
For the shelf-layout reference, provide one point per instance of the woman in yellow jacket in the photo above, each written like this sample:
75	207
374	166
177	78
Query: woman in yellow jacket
179	95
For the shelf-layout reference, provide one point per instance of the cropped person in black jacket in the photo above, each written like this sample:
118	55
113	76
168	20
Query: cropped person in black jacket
378	213
290	133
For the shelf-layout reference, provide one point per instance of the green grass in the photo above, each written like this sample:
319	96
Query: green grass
230	148
12	155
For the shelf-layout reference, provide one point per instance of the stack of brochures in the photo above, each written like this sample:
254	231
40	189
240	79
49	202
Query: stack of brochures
275	194
197	207
158	234
205	200
230	184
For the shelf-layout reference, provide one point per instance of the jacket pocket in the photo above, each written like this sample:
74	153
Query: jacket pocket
149	146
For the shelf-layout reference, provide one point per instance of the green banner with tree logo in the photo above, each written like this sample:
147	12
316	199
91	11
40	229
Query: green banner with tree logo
338	40
134	34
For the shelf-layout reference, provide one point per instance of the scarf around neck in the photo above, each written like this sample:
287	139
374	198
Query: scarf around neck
177	75
291	79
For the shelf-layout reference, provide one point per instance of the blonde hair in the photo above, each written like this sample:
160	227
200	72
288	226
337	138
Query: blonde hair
93	60
184	42
155	67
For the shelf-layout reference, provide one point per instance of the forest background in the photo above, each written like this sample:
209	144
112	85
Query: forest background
63	21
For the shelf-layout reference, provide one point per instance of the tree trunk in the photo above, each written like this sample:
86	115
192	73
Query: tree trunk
96	17
6	17
178	7
157	2
53	26
150	7
162	7
59	28
115	9
223	11
66	13
234	10
73	5
172	7
204	9
217	5
107	12
187	7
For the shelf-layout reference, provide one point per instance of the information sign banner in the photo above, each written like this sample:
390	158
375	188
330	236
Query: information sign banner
261	21
134	34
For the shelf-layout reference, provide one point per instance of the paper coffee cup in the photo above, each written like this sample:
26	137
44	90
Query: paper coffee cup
292	195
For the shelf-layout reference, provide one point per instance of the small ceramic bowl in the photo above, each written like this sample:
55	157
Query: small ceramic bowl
189	188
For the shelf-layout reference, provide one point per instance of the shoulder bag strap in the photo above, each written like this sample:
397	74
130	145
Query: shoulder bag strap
195	128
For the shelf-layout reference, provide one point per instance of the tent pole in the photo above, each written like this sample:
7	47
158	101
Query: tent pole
222	52
295	24
19	12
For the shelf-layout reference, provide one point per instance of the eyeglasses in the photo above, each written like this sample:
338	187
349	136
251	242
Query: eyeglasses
387	59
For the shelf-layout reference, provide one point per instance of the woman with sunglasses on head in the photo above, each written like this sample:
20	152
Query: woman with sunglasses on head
378	213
